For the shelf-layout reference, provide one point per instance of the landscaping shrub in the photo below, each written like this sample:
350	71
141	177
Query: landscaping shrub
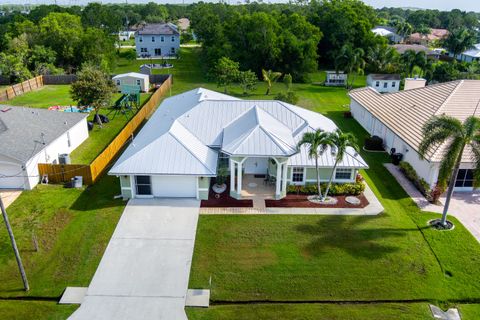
336	189
289	97
420	183
374	143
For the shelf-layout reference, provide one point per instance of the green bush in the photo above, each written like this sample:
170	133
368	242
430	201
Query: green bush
289	97
336	189
410	173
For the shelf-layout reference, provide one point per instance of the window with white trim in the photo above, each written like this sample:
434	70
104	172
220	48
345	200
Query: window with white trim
377	84
385	85
143	50
162	39
153	39
143	185
173	39
343	174
393	84
118	82
139	82
297	174
140	39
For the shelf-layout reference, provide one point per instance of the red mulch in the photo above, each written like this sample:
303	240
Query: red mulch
301	201
224	200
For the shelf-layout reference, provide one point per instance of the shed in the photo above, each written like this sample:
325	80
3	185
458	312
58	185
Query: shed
384	82
132	79
335	78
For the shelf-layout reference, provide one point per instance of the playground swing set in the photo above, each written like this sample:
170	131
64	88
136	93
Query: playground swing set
129	100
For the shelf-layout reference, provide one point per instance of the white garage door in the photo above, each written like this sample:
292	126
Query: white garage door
9	177
174	186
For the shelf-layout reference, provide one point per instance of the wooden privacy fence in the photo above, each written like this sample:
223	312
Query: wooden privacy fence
65	172
21	88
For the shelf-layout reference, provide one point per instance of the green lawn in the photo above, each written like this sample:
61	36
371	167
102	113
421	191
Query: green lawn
99	138
40	310
397	311
73	229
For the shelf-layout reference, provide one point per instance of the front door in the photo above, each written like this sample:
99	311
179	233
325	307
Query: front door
256	166
158	51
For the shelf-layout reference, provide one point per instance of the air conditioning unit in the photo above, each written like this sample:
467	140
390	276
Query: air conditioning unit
64	158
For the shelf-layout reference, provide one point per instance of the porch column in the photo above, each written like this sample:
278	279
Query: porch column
232	175
284	178
278	192
239	179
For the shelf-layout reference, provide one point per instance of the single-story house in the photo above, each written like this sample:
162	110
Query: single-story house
402	48
183	24
157	40
470	55
132	79
384	82
398	119
434	35
336	79
193	134
31	136
388	32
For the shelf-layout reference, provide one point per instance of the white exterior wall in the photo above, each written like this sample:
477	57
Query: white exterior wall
425	169
391	85
77	134
11	174
132	81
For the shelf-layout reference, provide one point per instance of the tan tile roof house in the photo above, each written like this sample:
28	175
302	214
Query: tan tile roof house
400	116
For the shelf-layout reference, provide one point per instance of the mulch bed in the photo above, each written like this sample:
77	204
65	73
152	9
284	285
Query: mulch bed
301	201
224	200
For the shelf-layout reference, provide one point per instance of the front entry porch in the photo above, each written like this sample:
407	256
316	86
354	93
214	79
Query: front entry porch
258	177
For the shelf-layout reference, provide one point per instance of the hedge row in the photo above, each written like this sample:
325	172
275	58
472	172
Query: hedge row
336	189
410	173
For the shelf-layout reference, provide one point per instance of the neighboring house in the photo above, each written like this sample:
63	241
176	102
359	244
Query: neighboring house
434	35
389	33
336	79
31	136
126	35
402	48
157	40
398	119
470	55
183	24
384	82
132	79
192	134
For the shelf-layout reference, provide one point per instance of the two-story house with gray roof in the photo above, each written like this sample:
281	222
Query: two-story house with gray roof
157	40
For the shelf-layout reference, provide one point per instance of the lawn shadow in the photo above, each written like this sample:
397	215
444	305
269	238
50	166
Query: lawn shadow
100	195
344	232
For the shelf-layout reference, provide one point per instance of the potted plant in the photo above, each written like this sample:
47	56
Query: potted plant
220	182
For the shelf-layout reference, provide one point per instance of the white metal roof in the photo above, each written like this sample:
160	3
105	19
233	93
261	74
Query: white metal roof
133	75
188	130
474	52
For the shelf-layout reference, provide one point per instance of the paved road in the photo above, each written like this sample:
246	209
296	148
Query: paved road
144	271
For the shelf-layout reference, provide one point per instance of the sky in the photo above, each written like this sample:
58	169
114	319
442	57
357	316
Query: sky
466	5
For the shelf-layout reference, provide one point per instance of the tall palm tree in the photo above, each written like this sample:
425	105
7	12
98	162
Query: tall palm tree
457	136
339	142
382	58
459	40
351	60
412	59
270	77
317	142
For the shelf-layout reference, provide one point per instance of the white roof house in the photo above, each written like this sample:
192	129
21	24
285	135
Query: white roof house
387	32
470	55
132	79
398	119
189	132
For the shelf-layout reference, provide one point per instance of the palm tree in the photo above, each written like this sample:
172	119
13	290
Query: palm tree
351	61
412	59
270	77
459	40
382	58
317	142
404	28
340	141
457	136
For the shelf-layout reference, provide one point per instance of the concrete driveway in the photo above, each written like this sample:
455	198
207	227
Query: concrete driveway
144	271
